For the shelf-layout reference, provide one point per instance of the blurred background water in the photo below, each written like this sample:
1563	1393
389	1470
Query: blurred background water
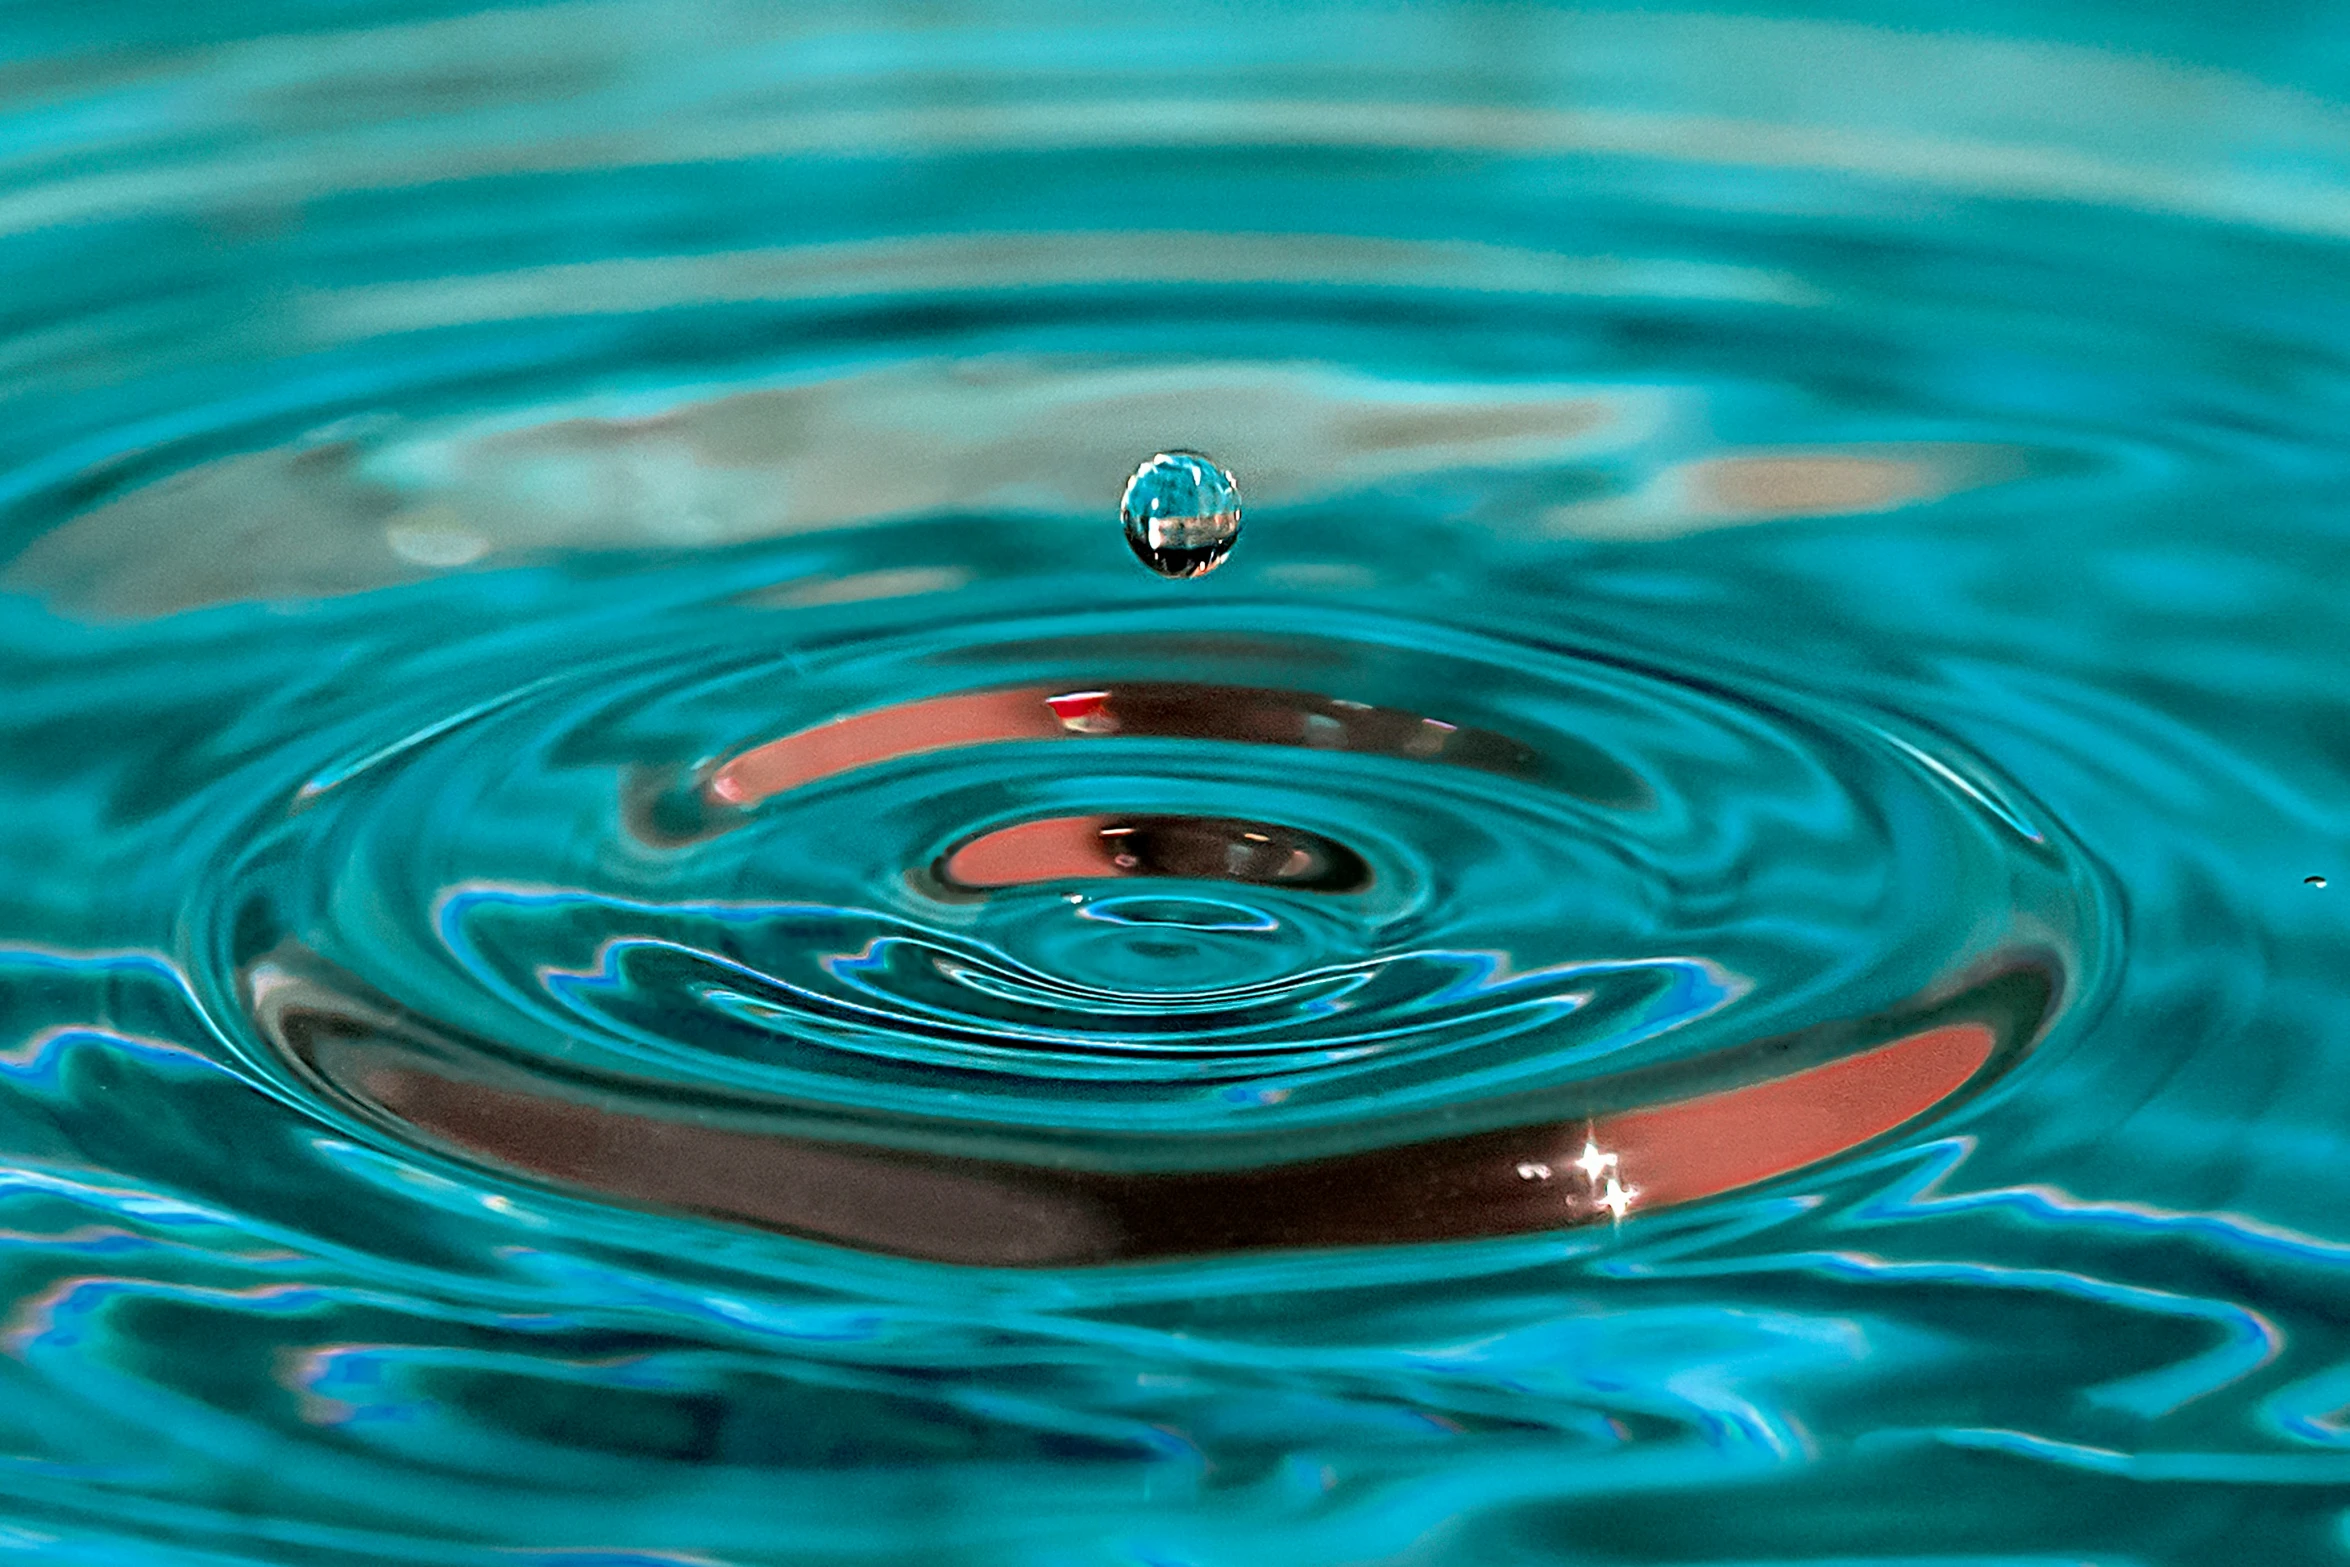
629	934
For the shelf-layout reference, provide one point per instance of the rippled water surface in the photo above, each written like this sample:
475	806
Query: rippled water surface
630	934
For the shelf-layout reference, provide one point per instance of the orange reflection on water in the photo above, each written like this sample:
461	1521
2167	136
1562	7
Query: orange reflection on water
1001	1213
863	739
1244	715
1681	1152
1204	848
1063	848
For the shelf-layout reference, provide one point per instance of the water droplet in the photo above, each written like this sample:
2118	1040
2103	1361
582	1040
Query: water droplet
1182	514
2313	881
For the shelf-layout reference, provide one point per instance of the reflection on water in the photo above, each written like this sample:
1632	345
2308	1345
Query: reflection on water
628	935
997	1214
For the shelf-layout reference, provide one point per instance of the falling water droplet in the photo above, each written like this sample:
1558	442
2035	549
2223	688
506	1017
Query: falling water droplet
1182	514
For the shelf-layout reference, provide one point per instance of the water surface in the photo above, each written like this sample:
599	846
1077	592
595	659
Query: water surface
629	933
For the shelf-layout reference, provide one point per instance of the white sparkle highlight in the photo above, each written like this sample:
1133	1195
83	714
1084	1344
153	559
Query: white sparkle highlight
1594	1164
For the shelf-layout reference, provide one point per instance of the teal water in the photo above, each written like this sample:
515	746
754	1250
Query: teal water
629	933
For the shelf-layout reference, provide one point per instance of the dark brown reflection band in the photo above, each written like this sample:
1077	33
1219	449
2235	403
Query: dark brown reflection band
1000	1213
1242	714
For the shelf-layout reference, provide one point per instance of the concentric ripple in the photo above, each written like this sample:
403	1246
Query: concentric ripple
1114	903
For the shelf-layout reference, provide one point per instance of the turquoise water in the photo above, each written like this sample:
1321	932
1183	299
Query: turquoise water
629	933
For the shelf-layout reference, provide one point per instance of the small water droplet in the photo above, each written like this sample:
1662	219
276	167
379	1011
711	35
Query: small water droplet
1533	1170
1182	514
2313	881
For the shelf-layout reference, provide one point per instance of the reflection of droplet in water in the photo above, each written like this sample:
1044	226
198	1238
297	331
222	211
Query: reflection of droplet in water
2313	881
1182	514
429	539
1081	712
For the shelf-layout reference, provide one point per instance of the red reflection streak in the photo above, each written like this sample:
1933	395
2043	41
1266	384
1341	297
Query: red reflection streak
862	739
1233	714
1001	1214
1680	1152
1058	849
